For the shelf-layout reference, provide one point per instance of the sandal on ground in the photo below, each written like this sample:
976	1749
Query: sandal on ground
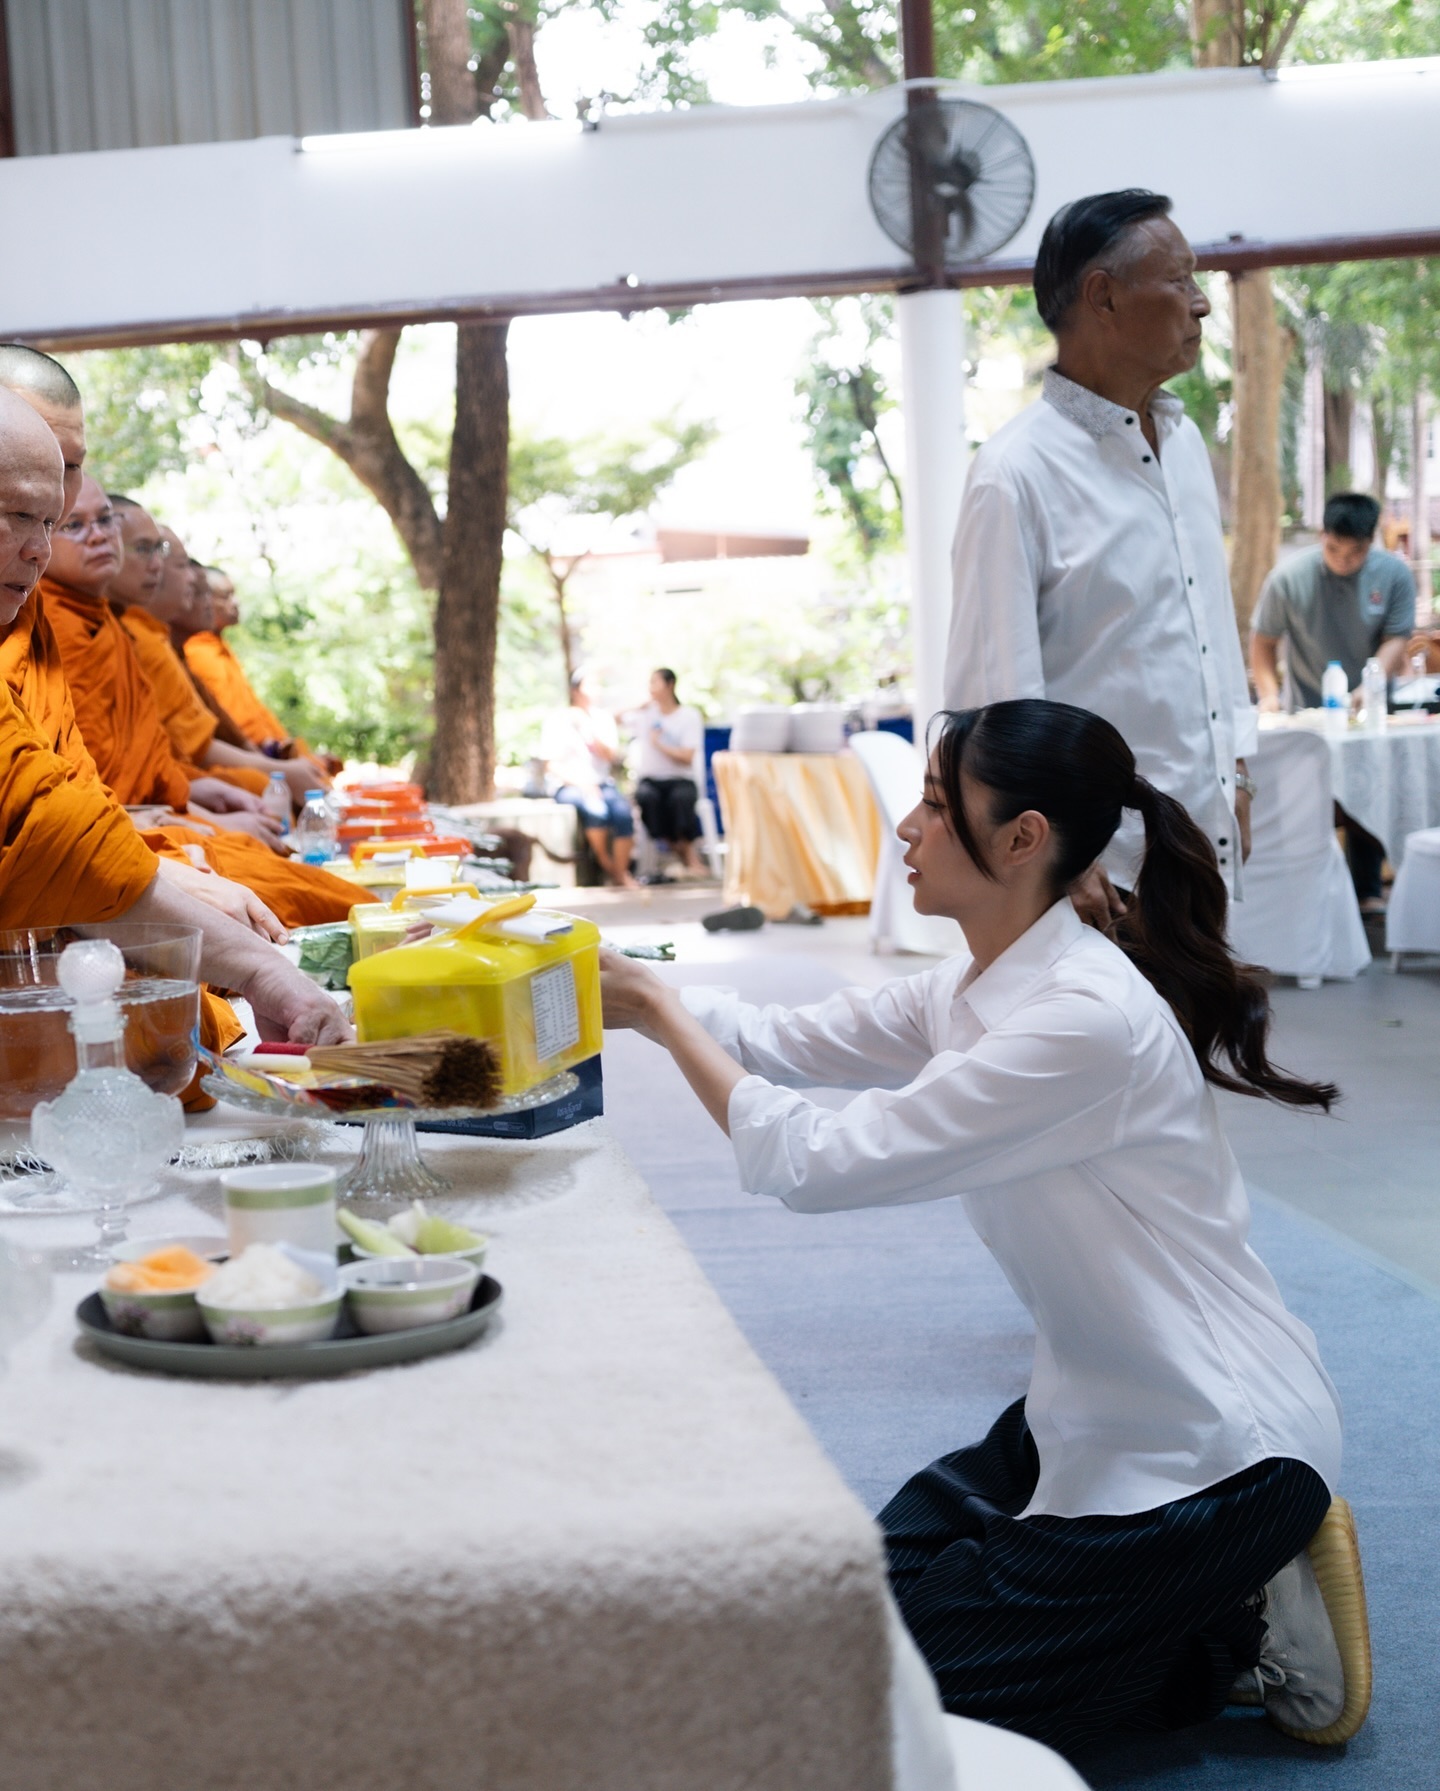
733	920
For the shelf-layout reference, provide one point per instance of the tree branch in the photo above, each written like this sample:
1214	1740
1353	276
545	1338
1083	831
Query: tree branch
367	445
1271	57
520	34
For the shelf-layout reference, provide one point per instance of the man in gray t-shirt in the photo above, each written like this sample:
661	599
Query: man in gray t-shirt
1345	599
1348	600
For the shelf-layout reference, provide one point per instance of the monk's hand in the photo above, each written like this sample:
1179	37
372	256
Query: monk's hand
632	995
290	1008
217	797
1096	900
264	828
230	898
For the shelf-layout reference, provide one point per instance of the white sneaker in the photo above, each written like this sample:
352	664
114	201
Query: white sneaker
1314	1672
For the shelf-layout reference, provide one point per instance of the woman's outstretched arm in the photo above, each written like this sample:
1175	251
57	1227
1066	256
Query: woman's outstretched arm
635	997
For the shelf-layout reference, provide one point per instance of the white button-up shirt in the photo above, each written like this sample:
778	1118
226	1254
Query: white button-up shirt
1056	1095
1091	570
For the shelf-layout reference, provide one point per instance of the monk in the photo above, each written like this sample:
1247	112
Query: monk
119	721
68	851
148	592
119	715
222	673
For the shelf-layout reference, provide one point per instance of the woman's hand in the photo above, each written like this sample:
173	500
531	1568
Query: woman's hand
635	997
632	995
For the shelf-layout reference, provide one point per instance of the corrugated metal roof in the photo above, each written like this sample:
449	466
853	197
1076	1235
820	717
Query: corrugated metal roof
124	74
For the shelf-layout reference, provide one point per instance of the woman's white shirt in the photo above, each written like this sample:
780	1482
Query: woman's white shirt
1057	1096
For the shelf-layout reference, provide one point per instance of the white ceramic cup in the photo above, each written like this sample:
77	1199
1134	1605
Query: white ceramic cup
280	1203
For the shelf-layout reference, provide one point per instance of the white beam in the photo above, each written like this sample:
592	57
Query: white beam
715	202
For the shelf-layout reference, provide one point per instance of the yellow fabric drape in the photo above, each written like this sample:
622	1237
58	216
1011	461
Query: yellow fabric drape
800	827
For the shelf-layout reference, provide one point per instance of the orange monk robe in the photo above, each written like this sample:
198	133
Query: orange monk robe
94	663
68	851
187	722
223	676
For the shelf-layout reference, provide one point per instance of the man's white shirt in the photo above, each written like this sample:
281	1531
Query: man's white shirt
1056	1095
1091	570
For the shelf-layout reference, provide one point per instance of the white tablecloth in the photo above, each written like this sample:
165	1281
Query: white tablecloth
596	1550
1389	782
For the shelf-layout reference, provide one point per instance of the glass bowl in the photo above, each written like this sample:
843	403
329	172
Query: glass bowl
160	996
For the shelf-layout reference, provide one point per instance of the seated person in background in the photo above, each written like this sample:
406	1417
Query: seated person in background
670	736
581	749
1348	600
1127	1548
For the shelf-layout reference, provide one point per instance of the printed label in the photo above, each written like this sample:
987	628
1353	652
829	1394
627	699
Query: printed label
557	1012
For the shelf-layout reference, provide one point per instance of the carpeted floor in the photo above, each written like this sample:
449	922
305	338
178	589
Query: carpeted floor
897	1337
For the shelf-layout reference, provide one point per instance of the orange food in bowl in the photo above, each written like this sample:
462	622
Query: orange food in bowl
172	1270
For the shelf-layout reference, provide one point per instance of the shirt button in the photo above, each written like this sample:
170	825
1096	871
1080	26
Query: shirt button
1204	648
1129	421
1224	842
1189	581
1214	715
1146	459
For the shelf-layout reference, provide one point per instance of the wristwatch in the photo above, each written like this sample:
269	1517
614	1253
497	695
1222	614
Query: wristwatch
1244	781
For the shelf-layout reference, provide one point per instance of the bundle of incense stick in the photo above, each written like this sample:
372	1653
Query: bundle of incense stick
438	1069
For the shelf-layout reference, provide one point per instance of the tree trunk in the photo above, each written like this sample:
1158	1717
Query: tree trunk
462	757
462	762
454	94
1217	33
1261	349
1339	419
1382	438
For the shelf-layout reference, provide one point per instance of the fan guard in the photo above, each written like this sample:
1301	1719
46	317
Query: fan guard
976	173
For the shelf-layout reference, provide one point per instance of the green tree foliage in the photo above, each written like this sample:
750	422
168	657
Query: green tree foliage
844	398
138	405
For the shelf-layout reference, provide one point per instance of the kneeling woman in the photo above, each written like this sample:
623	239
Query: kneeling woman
1128	1545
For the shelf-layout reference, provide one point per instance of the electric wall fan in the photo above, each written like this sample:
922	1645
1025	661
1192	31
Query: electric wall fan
951	181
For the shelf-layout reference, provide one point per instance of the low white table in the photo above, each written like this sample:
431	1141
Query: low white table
597	1550
1390	782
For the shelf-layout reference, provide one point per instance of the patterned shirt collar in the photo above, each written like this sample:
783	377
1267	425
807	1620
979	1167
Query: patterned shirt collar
1097	416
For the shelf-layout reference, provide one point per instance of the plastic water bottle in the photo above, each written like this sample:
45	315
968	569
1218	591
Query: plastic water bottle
1335	698
315	829
1375	688
276	800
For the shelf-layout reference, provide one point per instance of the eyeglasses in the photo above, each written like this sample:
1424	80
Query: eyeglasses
148	550
78	527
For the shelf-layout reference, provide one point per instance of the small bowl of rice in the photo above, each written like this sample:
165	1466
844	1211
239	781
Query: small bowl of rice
268	1295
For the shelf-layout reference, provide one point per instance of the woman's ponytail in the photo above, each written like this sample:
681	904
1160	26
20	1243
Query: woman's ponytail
1174	933
1076	770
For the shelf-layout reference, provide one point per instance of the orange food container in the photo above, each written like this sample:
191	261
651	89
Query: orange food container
440	845
385	827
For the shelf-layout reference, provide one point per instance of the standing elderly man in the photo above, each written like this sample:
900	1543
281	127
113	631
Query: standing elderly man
1089	562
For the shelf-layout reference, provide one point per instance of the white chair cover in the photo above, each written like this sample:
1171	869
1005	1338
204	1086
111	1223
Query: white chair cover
1299	916
897	775
1412	921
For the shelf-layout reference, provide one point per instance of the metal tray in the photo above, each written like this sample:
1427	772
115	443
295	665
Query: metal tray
348	1350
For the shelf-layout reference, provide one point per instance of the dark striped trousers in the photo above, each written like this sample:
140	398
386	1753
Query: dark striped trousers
1066	1628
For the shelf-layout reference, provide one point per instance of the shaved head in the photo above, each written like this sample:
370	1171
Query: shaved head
32	496
25	369
143	565
51	393
86	551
